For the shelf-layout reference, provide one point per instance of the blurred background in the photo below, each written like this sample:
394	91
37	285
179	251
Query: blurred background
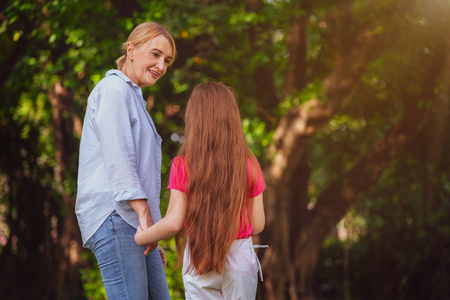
345	103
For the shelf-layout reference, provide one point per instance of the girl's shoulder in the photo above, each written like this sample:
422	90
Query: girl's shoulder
256	178
253	165
179	164
178	175
177	160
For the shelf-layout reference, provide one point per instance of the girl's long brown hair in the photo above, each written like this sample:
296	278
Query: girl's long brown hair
217	159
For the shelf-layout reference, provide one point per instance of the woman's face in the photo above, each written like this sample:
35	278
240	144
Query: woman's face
148	62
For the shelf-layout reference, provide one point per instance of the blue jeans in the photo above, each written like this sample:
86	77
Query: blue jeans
127	273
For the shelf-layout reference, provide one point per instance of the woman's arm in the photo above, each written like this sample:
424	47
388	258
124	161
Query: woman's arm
113	128
258	216
141	208
167	226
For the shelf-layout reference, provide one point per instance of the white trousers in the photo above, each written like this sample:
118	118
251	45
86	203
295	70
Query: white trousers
238	281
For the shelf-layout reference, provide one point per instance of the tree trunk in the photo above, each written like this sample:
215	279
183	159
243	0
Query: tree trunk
68	257
295	77
262	76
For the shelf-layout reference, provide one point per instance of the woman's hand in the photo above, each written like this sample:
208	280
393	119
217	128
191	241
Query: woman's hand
145	222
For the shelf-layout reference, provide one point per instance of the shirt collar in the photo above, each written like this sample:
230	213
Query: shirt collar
121	75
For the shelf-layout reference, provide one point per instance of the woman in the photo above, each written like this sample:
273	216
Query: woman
119	177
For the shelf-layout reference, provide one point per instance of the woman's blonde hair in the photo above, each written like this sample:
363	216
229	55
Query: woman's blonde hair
142	34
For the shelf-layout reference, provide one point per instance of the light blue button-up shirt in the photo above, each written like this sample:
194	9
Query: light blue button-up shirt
120	155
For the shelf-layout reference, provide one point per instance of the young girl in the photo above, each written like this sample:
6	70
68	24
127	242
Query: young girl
216	200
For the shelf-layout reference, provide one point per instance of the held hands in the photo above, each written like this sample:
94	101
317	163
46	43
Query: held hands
162	253
144	224
145	219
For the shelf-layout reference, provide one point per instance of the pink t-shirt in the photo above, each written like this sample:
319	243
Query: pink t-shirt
178	181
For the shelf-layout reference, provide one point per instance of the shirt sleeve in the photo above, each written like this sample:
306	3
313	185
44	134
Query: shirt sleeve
113	126
178	175
260	185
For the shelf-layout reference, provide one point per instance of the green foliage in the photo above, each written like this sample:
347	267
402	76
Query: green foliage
258	138
312	91
329	281
173	273
401	241
91	278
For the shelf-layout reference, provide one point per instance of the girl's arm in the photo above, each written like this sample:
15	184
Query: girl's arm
167	226
258	216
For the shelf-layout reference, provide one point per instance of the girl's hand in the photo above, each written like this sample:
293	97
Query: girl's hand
149	247
144	224
163	255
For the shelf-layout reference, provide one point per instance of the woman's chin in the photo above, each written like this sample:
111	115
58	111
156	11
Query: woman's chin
150	81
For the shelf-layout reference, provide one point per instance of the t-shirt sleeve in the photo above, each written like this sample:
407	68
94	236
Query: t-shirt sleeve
178	176
260	185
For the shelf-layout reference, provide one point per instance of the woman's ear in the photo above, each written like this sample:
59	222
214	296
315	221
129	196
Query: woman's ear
130	51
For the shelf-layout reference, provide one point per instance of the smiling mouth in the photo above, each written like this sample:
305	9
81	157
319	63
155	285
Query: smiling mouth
154	73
